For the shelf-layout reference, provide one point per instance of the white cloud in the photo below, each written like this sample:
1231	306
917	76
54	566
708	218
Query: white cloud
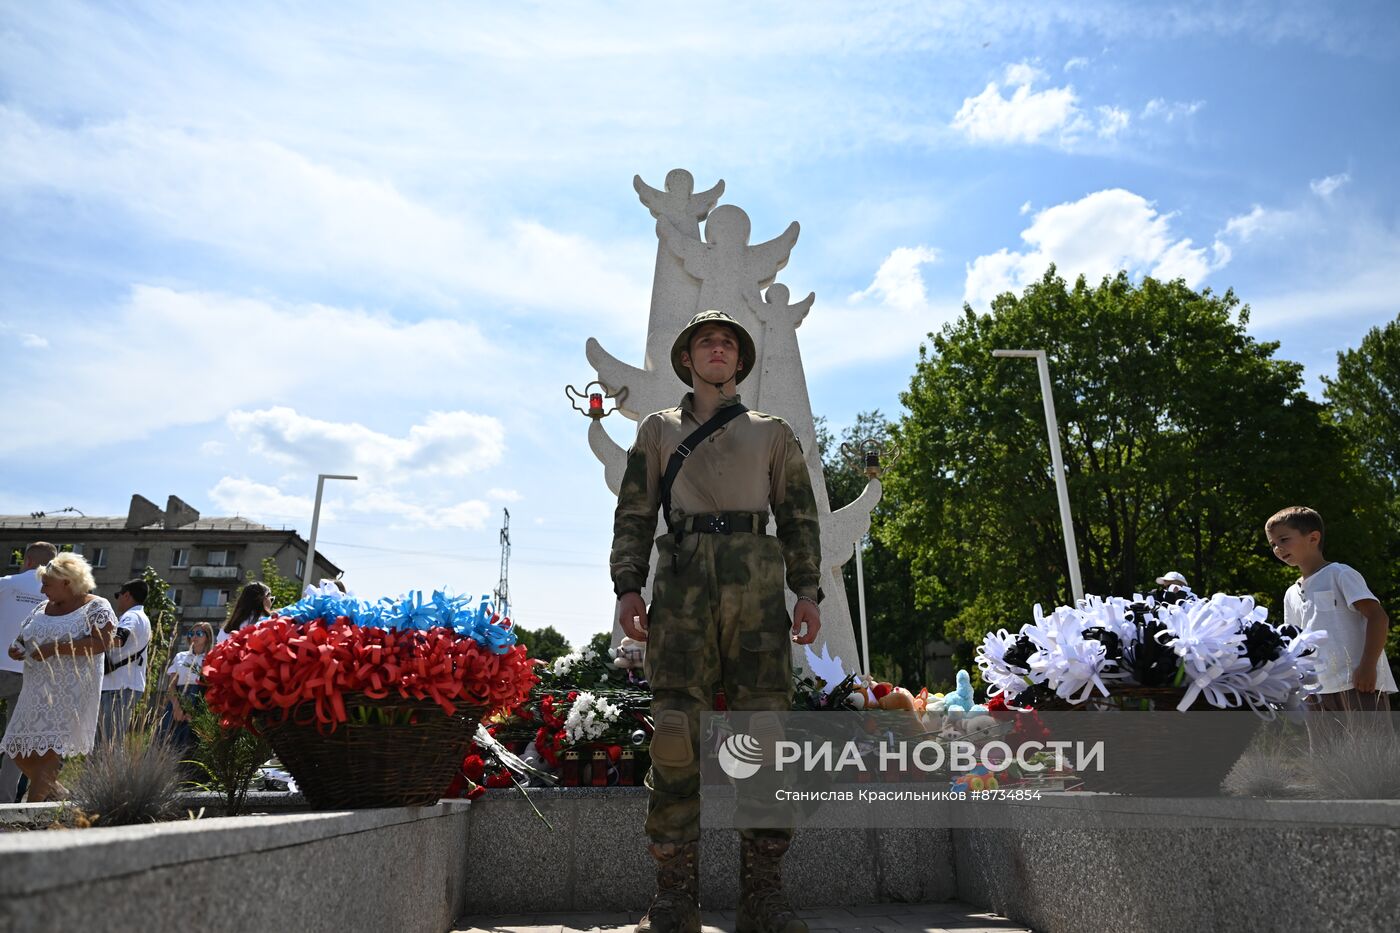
268	504
898	282
1023	73
450	443
259	502
1326	187
26	340
212	449
1026	116
248	352
1076	62
395	473
892	315
1112	121
1025	209
1095	236
470	514
1259	221
503	495
271	205
1160	108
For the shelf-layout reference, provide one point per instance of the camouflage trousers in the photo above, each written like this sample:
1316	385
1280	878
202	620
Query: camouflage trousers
718	618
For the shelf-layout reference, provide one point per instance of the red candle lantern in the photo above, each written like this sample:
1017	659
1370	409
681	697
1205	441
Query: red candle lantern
594	405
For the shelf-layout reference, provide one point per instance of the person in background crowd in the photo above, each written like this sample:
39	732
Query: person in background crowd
19	594
124	675
183	685
62	644
254	603
1174	587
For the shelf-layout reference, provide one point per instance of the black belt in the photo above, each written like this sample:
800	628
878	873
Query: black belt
724	523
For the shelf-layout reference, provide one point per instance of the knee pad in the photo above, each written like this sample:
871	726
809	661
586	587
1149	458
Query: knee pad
767	729
672	745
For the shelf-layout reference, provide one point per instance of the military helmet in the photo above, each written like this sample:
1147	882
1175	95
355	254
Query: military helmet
747	354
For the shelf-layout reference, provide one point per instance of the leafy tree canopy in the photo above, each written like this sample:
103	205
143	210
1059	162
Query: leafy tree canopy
544	644
1365	397
1181	435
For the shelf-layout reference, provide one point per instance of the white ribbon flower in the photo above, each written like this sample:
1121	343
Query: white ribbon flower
996	672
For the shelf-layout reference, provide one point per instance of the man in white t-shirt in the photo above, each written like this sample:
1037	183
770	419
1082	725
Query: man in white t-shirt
124	673
1353	672
19	594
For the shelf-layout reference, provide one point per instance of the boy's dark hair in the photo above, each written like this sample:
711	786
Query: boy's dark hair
138	590
1300	518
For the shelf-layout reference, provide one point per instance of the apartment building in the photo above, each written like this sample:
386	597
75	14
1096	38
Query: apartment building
205	561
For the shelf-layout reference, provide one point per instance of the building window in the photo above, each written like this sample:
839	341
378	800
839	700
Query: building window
17	557
216	559
180	558
140	558
177	596
213	599
301	568
98	558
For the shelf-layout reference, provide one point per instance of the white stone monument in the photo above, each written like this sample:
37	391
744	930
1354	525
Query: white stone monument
724	272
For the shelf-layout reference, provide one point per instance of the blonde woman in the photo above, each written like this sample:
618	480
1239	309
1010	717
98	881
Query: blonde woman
61	644
183	682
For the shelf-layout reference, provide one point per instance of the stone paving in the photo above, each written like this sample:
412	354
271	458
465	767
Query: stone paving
948	917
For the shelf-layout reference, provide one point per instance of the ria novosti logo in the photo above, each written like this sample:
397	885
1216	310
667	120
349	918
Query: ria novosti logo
740	756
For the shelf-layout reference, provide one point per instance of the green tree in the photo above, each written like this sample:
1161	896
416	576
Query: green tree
285	590
544	644
898	627
601	643
1365	401
165	630
1181	435
1365	398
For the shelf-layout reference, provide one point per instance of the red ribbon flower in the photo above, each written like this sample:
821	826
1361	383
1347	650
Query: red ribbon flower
306	669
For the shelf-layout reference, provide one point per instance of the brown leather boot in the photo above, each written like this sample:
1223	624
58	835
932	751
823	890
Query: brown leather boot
763	908
675	908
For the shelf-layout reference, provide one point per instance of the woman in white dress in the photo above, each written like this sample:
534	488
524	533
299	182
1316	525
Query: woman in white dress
61	645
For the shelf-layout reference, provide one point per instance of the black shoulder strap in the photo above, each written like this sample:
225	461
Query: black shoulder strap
108	665
686	447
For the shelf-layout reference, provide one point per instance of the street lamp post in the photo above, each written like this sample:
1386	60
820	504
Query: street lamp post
315	526
1061	489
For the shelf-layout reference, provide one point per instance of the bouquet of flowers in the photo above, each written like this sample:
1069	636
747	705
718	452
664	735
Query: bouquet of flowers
370	704
1221	650
310	656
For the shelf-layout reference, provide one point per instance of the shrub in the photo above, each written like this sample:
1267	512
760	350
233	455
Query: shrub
129	782
228	757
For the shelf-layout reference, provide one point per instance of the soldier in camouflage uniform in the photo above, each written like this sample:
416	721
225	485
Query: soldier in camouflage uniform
718	616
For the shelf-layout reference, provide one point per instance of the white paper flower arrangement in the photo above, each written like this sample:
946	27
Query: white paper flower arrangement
1221	649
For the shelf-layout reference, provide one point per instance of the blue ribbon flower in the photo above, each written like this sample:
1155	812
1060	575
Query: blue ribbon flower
411	612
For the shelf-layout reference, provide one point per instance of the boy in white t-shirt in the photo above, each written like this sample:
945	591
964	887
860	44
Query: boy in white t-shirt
1352	670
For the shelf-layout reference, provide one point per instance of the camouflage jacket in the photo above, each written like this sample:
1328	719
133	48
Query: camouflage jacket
752	464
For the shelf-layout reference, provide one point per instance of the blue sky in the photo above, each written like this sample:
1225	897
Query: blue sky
243	244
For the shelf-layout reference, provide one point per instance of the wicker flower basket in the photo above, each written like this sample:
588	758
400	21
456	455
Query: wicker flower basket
1163	753
394	763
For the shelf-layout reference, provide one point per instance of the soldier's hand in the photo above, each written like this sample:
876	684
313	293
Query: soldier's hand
633	615
806	622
